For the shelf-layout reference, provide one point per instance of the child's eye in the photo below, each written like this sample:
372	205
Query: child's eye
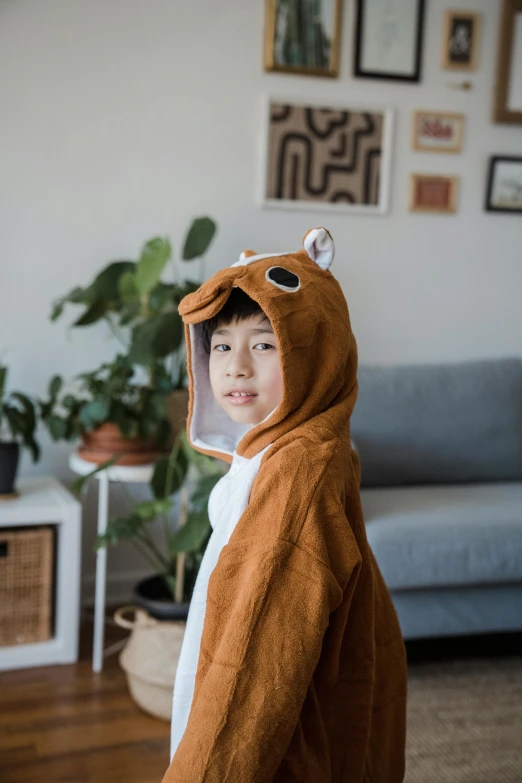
221	345
267	346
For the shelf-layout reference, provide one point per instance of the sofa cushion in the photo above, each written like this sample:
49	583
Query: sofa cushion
439	423
446	535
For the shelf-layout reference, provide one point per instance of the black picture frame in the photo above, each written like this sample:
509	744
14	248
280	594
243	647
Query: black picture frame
358	70
493	162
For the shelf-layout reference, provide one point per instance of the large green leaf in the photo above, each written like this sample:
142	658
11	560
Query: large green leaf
106	283
178	473
95	412
3	380
27	410
57	427
154	256
157	337
127	288
192	535
198	238
93	313
163	295
55	384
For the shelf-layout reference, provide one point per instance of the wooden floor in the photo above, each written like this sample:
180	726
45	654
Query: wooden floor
65	724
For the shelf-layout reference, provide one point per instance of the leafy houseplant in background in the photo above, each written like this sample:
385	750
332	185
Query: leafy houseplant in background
17	424
112	413
175	564
141	311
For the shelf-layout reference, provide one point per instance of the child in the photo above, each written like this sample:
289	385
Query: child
293	667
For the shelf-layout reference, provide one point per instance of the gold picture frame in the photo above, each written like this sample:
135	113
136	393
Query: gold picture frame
508	93
461	40
433	193
437	131
309	44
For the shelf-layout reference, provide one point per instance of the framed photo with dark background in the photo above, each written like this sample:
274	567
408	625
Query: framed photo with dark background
461	40
303	36
388	39
508	83
504	189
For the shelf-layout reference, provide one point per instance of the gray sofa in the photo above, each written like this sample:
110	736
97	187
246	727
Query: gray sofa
440	448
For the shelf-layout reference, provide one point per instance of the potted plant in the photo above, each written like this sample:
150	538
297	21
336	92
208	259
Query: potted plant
141	310
17	425
150	656
167	593
111	412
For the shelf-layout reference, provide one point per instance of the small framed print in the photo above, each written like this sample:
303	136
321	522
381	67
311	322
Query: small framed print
504	189
333	156
433	193
437	131
461	40
508	83
303	36
388	39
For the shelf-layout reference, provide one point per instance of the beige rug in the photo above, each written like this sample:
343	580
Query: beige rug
465	722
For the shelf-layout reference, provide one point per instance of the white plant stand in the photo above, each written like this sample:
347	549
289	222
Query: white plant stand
44	501
133	474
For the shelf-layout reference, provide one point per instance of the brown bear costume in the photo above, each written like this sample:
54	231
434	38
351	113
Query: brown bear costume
293	666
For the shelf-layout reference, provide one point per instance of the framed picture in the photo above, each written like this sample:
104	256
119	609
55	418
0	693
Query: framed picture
303	36
437	131
334	157
460	41
433	193
388	39
508	86
504	190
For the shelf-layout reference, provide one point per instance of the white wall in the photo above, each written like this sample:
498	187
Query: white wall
123	119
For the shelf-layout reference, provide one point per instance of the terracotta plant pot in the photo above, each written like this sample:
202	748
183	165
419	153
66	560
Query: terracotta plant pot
106	440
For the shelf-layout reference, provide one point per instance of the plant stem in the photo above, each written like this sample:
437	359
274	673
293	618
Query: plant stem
114	330
148	542
141	549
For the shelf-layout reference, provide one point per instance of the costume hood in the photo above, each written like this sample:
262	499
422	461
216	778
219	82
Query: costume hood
317	349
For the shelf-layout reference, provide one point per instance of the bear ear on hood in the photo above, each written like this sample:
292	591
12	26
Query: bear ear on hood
319	245
247	254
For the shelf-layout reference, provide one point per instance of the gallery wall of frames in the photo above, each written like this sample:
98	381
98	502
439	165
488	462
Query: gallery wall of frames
337	156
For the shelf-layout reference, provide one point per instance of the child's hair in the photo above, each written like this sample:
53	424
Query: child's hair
238	307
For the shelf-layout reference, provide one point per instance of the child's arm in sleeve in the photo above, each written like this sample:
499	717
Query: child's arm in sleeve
248	703
267	612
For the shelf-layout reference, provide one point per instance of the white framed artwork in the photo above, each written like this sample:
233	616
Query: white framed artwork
435	131
326	156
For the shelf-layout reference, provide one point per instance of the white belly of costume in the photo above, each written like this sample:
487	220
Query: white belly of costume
227	502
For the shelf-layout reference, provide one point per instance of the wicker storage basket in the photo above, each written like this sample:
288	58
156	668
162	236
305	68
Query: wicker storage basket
26	584
150	659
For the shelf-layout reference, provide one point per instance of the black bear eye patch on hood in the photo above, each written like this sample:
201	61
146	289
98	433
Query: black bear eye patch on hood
283	278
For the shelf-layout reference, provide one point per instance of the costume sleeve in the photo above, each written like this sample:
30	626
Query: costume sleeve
273	603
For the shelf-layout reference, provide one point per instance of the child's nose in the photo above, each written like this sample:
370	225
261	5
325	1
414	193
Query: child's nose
239	365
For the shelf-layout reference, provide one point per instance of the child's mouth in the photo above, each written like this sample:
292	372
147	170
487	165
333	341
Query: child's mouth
242	399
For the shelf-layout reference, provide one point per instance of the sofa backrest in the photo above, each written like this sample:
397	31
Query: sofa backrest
439	423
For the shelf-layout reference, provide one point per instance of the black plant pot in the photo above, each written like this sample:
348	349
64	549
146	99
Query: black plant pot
9	454
152	595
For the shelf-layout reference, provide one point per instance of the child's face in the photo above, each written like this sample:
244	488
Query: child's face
245	356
